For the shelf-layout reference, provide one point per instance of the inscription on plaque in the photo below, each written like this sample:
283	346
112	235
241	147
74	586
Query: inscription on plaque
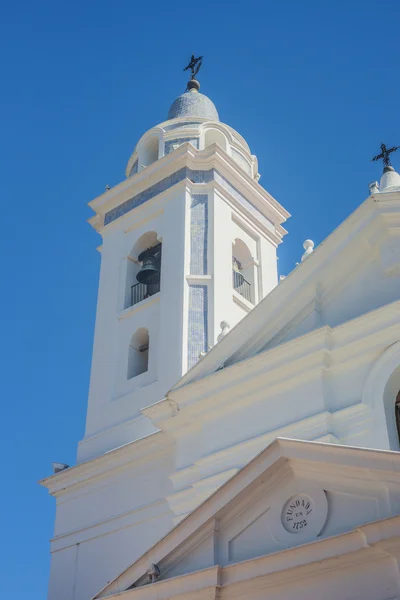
298	513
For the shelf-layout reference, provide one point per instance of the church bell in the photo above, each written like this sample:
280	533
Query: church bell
150	267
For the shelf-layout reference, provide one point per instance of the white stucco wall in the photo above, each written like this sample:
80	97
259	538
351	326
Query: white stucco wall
115	402
334	384
110	519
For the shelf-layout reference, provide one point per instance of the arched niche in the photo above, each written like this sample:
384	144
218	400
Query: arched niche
148	151
380	391
214	136
138	355
390	395
243	270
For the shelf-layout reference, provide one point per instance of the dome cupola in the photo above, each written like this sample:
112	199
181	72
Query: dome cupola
193	104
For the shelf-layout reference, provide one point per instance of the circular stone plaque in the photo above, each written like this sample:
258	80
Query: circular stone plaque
298	513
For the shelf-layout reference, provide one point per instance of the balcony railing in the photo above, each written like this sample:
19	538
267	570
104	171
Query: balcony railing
140	291
241	285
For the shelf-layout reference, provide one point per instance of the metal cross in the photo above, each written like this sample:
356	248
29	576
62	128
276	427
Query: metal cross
385	154
194	65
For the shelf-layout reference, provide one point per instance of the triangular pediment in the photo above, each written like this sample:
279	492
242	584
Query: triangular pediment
354	271
291	494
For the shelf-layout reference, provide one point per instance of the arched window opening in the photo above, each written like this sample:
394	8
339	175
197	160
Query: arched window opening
391	405
143	274
243	271
397	415
148	152
213	136
138	356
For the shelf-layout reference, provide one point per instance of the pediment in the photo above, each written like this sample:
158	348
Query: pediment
292	494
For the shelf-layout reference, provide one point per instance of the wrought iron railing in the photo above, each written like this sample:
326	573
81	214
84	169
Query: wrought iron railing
140	291
241	285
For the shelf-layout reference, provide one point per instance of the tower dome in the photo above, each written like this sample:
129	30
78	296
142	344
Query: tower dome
193	104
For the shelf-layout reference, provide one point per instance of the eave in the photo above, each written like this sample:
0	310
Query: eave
282	366
138	450
186	155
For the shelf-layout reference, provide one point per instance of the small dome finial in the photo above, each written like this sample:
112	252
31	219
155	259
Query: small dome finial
225	327
193	85
308	246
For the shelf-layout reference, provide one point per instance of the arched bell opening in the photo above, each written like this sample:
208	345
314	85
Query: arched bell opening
243	274
143	275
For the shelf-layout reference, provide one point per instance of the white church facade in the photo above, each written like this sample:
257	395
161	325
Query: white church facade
242	435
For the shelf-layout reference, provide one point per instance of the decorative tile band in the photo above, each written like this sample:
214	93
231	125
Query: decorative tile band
173	144
174	178
198	234
141	198
197	323
182	125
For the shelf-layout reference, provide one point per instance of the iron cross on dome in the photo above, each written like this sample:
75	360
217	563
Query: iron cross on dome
194	65
385	155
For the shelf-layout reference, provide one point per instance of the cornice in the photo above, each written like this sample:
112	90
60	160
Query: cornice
138	450
274	234
186	155
272	457
282	367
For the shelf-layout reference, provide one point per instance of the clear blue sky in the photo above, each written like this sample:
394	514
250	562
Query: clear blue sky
313	86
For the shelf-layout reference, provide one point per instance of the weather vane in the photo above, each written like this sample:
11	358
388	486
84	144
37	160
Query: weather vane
194	65
385	155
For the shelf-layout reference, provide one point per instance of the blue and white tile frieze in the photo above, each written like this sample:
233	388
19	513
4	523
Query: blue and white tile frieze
141	198
197	323
195	177
184	125
198	234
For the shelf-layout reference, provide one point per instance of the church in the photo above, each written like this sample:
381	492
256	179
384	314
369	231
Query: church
242	432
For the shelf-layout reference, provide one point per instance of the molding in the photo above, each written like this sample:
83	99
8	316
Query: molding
283	365
187	156
297	290
219	464
241	301
267	462
200	278
140	450
127	312
110	524
379	401
380	374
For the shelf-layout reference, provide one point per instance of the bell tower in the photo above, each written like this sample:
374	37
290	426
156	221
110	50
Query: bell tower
189	244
